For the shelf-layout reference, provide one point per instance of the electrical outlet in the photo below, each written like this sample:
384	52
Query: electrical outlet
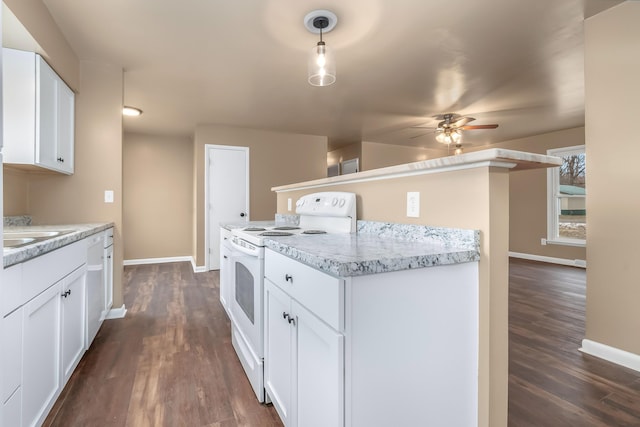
289	204
108	196
413	204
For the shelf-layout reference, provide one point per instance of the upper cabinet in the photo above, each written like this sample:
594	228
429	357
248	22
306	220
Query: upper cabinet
39	110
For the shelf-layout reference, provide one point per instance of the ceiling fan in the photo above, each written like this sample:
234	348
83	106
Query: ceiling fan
449	130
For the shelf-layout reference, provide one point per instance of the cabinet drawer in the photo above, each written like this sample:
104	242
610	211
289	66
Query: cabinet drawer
41	272
320	293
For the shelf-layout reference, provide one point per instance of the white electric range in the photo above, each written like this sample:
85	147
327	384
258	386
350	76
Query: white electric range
319	213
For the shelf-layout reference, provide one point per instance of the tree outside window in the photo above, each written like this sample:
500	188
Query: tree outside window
567	214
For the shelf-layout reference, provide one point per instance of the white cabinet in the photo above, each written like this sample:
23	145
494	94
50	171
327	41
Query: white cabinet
304	355
42	334
278	351
225	269
397	348
39	113
108	271
11	347
41	355
73	321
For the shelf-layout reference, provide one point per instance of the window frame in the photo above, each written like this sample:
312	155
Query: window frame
553	194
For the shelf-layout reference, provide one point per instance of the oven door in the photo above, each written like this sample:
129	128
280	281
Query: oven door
246	299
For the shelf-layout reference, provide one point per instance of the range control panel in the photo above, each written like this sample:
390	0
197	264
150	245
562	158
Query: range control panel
329	203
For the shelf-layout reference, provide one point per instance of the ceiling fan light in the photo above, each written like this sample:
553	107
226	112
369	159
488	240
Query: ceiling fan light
448	136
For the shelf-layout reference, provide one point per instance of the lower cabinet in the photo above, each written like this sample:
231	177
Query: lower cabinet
41	355
73	308
42	332
389	349
304	363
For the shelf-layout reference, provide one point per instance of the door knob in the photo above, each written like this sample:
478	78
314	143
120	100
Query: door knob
242	214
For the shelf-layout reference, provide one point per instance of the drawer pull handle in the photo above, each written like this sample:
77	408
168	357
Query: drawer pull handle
288	278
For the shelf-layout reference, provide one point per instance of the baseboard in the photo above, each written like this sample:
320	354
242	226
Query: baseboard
562	261
197	269
117	313
164	260
611	354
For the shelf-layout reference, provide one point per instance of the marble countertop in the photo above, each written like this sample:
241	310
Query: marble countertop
380	248
77	232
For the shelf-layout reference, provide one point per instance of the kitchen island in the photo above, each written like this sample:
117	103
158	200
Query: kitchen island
373	328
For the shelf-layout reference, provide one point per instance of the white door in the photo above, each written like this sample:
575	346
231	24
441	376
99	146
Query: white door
227	193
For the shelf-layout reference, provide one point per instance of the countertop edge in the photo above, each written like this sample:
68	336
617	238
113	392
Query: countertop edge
496	157
19	255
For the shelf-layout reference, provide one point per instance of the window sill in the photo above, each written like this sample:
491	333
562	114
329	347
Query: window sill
577	243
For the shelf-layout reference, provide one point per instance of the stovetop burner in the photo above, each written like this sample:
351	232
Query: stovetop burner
286	227
254	229
275	233
314	232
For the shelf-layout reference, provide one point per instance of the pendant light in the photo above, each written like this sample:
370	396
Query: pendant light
321	65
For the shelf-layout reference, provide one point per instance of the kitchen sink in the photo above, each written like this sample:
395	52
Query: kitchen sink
16	242
31	234
17	239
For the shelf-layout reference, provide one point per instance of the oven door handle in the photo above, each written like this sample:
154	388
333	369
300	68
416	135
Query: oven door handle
243	249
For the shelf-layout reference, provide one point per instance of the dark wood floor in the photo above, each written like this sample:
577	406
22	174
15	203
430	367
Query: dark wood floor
551	383
170	361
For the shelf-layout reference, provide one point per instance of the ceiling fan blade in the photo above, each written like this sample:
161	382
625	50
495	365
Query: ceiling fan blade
423	127
469	127
462	121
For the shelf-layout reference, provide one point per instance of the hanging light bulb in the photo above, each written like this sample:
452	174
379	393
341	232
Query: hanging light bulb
458	149
448	136
321	65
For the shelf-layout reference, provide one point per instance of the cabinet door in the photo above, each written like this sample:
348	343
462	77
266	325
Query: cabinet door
319	371
65	126
278	356
73	321
41	355
225	265
108	280
46	116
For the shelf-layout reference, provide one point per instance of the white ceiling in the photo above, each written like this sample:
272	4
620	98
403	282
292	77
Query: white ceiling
513	62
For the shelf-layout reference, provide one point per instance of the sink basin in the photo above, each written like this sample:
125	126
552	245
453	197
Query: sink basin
16	239
16	242
30	234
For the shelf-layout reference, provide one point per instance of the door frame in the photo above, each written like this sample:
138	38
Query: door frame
207	196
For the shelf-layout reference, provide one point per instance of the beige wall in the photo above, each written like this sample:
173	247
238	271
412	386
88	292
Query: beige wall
157	196
275	158
37	20
528	197
475	199
612	67
15	192
376	155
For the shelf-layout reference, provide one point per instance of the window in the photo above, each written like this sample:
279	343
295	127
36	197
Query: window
567	195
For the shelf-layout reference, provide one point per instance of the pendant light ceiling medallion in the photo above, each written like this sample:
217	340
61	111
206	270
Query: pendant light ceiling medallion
321	64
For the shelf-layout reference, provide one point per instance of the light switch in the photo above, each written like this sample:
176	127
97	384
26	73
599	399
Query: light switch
289	204
413	204
108	196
